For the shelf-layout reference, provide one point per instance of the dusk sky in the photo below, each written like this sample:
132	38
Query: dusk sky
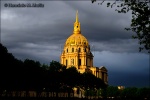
39	33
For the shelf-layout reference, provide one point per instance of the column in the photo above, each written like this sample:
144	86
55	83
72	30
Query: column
84	61
69	61
99	75
62	60
92	62
76	60
87	61
105	77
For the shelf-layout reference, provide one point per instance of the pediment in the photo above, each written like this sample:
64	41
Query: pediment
103	68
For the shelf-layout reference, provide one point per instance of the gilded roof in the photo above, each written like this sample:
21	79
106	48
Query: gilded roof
77	39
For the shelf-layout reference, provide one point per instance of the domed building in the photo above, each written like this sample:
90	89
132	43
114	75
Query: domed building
77	53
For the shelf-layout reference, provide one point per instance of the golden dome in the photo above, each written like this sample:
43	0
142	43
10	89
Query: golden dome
76	38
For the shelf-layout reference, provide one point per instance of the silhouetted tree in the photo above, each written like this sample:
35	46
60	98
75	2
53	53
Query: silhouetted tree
143	93
9	69
71	77
91	81
129	93
112	91
55	66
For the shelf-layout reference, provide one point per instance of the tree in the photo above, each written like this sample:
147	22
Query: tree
143	93
44	66
55	66
140	23
91	81
9	70
71	77
129	92
112	91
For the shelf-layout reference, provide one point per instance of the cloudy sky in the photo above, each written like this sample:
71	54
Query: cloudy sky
39	33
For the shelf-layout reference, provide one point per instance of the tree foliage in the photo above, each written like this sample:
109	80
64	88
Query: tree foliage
129	93
32	75
90	81
140	22
115	92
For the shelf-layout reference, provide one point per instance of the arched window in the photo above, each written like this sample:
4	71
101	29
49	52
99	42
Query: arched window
72	49
67	49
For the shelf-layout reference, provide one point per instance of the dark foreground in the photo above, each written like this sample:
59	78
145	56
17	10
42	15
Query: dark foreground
41	98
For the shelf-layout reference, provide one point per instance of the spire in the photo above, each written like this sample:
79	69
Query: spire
77	16
77	25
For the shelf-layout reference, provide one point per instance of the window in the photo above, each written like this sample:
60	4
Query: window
85	50
72	49
79	50
79	62
73	61
67	49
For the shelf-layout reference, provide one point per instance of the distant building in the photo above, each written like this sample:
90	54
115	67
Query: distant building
77	53
121	87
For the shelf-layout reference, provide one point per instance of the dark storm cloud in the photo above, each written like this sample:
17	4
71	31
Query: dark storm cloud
129	79
47	25
128	69
43	53
116	45
104	28
101	23
40	33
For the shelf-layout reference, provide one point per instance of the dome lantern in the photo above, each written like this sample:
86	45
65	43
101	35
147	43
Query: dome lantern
77	25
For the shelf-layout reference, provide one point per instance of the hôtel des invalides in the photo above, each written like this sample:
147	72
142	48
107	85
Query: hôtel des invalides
77	53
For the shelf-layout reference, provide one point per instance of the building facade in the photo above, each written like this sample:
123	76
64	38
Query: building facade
77	53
